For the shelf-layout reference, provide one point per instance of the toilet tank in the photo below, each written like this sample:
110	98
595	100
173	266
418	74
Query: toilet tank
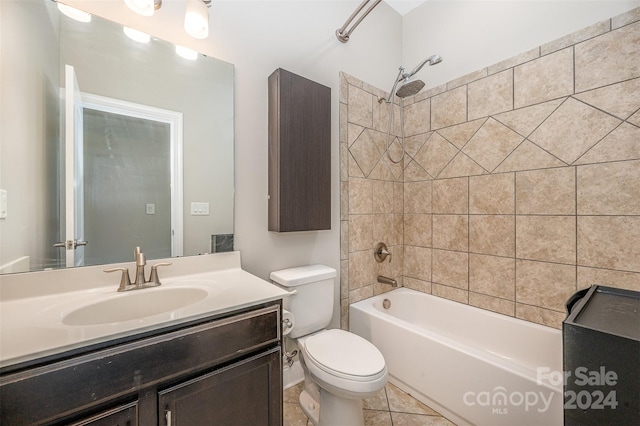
312	304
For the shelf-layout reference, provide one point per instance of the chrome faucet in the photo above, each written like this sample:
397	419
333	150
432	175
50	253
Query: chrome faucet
386	280
141	281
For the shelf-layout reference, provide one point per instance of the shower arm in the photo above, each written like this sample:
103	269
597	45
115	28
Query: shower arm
342	33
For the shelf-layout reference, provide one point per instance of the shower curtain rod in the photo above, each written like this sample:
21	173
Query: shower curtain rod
342	33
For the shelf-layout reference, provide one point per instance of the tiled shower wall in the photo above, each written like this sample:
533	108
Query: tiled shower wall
521	182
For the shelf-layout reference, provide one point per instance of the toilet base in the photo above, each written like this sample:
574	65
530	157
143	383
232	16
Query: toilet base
332	410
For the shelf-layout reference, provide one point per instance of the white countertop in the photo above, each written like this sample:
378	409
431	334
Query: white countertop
32	327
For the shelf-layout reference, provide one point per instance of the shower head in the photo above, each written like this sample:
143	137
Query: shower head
431	60
409	88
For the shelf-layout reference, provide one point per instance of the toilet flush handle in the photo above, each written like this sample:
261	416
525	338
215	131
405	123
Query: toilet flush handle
380	253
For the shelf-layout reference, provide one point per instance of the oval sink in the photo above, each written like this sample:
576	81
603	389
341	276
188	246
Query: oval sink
134	305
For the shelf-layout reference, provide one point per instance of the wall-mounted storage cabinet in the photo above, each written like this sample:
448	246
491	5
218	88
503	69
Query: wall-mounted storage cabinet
299	153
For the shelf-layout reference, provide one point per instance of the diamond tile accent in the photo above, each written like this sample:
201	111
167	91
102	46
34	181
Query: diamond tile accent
354	169
460	134
414	172
492	144
365	152
525	120
621	99
353	132
621	144
435	154
572	129
528	156
462	165
413	143
635	119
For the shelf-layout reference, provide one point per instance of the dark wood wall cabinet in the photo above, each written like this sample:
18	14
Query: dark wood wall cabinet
217	371
299	153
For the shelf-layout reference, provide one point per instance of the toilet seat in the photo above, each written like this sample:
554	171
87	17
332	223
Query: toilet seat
345	355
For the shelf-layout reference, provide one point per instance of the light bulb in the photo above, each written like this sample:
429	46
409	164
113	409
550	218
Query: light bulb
187	53
196	19
74	13
136	35
141	7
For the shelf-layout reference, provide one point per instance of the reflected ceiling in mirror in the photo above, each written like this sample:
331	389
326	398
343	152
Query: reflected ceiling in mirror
36	43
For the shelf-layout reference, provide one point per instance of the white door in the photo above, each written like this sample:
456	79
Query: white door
74	191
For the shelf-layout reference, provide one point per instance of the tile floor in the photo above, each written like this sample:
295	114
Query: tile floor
391	407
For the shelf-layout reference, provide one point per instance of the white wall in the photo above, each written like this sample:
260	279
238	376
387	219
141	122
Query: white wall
473	34
259	37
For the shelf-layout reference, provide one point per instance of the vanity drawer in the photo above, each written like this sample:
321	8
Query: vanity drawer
86	382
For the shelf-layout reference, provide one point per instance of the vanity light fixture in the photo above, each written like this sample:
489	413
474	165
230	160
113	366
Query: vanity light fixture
143	7
187	53
196	18
136	35
74	13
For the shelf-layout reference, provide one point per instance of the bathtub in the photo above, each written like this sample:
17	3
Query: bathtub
472	365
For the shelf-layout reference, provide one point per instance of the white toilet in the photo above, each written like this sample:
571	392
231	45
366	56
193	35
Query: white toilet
340	368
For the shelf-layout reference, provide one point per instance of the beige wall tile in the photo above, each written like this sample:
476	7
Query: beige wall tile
492	144
382	117
387	228
451	232
398	197
360	293
525	120
382	196
491	95
451	196
365	152
417	262
360	232
521	58
360	196
492	234
609	242
449	108
353	132
418	285
415	173
412	144
492	194
493	276
354	169
360	107
581	35
344	314
609	188
548	192
451	268
543	79
361	269
546	238
435	154
344	239
540	315
546	285
417	118
608	277
344	279
344	200
344	162
621	144
461	165
343	122
528	156
460	134
572	129
490	303
473	76
417	197
626	18
451	293
353	81
621	100
417	230
609	58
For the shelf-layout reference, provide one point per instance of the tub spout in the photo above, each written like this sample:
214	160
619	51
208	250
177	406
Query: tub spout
386	280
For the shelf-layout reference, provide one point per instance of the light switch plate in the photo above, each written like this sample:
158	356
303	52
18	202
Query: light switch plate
151	208
199	209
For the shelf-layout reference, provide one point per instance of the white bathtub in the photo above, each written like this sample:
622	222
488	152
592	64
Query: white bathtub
471	365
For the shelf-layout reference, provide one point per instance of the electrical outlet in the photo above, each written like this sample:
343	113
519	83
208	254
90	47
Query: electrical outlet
151	208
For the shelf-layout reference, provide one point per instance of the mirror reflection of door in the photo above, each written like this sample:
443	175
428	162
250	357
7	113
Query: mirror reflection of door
123	179
123	158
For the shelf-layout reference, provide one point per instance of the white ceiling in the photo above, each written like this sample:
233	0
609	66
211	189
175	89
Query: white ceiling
404	6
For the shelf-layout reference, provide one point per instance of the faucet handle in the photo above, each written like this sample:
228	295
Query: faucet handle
380	253
124	279
153	278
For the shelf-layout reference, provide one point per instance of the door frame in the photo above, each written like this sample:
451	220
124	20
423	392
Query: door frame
175	121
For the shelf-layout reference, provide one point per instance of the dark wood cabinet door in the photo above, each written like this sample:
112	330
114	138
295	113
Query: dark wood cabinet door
244	393
124	415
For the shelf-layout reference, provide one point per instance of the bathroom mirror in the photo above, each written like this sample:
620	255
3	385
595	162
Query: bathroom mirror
155	166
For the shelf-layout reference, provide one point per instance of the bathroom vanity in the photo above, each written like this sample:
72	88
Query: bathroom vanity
214	361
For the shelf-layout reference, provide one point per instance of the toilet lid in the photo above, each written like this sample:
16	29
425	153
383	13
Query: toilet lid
345	353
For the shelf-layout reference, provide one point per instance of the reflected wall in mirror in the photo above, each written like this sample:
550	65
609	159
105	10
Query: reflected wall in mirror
125	167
